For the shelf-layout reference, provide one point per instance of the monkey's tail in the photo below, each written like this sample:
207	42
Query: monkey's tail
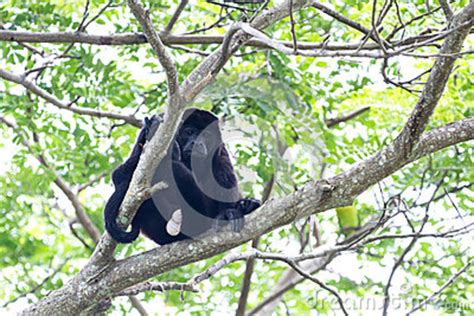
120	235
115	231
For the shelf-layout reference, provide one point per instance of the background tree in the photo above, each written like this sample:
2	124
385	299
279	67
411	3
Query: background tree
363	106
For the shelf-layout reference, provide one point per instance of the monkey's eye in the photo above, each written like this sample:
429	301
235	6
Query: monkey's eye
188	131
205	135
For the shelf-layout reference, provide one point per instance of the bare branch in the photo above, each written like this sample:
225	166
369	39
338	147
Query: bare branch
92	182
289	280
138	305
437	80
451	280
176	15
170	40
292	29
81	214
414	19
95	17
154	39
446	9
341	119
339	17
253	253
159	287
308	276
246	282
407	249
250	264
134	39
212	270
30	86
39	285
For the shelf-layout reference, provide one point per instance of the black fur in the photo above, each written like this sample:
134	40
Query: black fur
201	183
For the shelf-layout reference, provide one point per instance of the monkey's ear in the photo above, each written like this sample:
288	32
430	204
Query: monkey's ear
153	124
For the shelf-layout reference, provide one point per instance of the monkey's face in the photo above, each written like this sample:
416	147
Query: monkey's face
196	143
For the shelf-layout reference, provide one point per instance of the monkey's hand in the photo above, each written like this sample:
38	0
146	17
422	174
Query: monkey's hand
152	124
248	205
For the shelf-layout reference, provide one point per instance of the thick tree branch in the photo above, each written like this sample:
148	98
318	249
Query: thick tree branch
174	40
315	197
102	277
81	215
30	86
437	80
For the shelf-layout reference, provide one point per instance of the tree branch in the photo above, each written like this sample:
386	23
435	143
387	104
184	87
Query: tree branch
159	287
314	198
437	80
341	119
446	9
175	16
81	214
451	280
30	86
103	276
154	39
173	40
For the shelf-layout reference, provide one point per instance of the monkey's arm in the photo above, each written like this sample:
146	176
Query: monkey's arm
121	178
225	176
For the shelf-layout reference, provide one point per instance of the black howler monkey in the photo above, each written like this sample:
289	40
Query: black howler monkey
202	187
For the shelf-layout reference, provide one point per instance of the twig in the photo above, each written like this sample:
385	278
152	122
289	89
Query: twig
411	21
210	26
176	15
375	27
21	80
92	181
450	281
159	287
292	22
81	214
341	119
339	17
95	17
400	260
446	9
231	6
39	285
78	237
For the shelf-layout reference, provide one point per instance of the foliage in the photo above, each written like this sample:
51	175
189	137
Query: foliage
275	108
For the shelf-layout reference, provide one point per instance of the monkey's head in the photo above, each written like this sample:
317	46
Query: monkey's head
198	136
